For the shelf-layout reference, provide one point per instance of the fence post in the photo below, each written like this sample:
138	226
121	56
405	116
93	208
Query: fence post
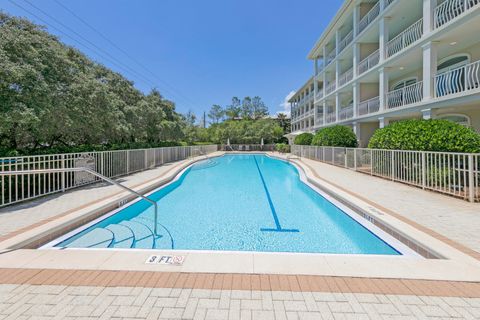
145	154
471	180
128	161
424	168
355	159
63	173
346	158
393	165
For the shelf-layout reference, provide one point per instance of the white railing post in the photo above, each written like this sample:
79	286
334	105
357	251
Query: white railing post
424	173
63	173
355	159
393	165
471	180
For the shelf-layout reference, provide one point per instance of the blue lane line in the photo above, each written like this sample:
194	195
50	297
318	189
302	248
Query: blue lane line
272	207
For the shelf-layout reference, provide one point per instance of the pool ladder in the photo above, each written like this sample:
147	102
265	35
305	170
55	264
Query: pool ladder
94	173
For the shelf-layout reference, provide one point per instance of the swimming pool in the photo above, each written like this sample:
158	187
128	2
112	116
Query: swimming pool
235	203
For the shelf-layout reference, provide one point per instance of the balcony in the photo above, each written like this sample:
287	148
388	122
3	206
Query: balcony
330	87
369	106
369	62
346	77
319	94
346	113
450	9
331	117
462	79
345	41
319	120
369	17
330	56
408	95
405	39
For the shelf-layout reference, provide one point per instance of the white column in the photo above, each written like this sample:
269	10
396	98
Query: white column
383	39
383	88
337	72
356	99
429	70
382	5
383	122
337	106
428	15
356	58
357	131
356	19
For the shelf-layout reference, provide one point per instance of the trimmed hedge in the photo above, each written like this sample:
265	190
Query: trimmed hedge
426	135
304	139
336	136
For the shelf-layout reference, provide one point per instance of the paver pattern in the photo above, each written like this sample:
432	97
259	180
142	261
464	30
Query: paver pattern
87	302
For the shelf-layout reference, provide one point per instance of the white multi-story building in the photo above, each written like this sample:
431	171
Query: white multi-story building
381	61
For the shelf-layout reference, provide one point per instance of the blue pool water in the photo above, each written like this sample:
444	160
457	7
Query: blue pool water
239	203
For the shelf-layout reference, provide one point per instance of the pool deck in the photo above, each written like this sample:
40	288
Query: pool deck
118	284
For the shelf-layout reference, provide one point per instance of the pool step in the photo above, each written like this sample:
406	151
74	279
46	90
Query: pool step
123	236
143	235
97	238
163	240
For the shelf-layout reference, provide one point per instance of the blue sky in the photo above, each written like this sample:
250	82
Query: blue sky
198	53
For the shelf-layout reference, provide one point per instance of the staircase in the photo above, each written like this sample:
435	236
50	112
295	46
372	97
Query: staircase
136	233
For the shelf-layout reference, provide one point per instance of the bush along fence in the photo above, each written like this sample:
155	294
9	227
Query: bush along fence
15	188
456	174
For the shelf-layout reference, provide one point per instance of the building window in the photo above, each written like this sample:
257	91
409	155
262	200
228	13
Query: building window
453	62
457	118
404	83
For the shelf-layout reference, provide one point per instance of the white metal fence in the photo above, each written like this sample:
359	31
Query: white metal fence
450	9
464	78
456	174
405	38
16	188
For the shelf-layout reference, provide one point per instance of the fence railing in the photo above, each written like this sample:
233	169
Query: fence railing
369	106
345	77
346	113
455	174
450	9
404	96
369	62
248	147
111	164
330	87
405	38
458	80
345	41
369	17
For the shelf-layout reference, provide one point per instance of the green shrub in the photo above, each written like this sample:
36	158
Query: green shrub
282	147
304	139
336	136
426	135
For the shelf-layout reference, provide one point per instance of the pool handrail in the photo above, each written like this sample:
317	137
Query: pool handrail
96	174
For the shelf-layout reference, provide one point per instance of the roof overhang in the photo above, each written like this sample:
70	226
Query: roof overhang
316	51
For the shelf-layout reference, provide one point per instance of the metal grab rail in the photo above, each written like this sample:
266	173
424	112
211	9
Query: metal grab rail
94	173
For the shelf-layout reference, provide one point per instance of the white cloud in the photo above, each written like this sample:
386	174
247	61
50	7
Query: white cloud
285	105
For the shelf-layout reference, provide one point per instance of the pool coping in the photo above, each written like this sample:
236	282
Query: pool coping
458	266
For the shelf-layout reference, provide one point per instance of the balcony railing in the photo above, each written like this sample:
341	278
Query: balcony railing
331	55
319	120
345	41
450	9
331	117
458	80
346	113
369	17
388	2
330	87
346	77
408	95
405	39
369	106
319	94
369	62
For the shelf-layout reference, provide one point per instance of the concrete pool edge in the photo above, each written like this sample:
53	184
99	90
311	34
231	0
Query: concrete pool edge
457	266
